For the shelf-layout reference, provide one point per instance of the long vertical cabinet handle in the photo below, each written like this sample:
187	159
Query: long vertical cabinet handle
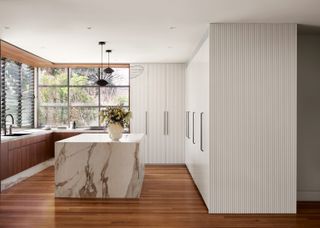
146	123
167	119
164	123
193	115
201	131
187	125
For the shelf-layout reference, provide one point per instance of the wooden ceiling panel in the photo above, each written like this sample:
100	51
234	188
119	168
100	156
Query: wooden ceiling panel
15	53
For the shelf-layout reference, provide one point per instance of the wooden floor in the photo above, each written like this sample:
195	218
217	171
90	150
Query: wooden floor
169	199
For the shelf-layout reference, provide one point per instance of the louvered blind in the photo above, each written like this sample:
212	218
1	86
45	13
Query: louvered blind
3	93
27	92
17	95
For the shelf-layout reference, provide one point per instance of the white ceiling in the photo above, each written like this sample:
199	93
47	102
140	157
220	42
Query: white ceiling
136	30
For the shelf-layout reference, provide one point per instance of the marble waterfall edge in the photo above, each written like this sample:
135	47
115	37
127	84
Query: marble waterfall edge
98	169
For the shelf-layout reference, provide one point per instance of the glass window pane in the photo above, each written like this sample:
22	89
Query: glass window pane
53	116
83	76
84	116
111	96
12	85
120	77
53	76
53	96
86	96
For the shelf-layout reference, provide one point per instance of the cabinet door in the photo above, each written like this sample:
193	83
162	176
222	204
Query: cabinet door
40	151
4	159
175	113
25	157
156	113
139	102
14	161
49	147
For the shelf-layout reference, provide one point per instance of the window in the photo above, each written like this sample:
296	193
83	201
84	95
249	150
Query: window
70	94
17	95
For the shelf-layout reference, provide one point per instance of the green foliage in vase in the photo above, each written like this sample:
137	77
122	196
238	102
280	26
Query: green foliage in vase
115	115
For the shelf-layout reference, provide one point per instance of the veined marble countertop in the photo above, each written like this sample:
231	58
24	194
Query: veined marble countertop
102	138
94	166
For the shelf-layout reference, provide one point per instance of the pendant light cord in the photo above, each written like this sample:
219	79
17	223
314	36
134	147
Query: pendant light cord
101	61
108	59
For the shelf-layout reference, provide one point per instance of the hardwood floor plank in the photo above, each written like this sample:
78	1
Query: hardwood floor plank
169	199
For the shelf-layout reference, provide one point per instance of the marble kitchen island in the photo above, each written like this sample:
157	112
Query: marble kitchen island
94	166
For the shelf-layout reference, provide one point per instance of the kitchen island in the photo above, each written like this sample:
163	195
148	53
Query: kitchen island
94	166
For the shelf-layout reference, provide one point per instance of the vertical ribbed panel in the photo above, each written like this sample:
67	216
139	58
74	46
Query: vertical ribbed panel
253	98
139	104
175	108
159	89
156	108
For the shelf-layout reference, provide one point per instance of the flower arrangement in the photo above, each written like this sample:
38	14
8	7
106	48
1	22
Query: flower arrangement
115	115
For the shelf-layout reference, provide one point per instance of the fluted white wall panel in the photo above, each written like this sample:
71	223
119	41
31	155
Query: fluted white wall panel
158	90
175	107
139	104
253	106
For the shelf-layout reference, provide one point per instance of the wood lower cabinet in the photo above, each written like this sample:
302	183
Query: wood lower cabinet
21	154
4	157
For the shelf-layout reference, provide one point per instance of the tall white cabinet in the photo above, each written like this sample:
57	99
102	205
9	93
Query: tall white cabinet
157	104
197	120
241	99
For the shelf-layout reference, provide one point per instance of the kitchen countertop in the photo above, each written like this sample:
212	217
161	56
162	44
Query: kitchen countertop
35	132
94	166
102	138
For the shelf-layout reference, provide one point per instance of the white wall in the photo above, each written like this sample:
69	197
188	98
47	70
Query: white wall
309	117
197	100
253	98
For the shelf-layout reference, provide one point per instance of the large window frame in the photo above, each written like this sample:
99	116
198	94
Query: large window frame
99	106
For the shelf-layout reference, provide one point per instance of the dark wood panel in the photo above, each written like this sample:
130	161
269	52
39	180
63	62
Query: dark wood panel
90	65
63	135
14	161
15	53
4	166
169	199
18	54
25	157
21	154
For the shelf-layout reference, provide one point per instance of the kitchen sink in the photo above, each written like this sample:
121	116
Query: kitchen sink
96	128
18	134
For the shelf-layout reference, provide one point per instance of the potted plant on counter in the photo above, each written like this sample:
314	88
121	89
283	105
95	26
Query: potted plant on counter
116	119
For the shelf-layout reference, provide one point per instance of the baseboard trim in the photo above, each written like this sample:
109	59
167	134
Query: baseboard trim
308	195
13	180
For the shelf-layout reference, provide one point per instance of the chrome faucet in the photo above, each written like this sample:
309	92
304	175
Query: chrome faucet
10	126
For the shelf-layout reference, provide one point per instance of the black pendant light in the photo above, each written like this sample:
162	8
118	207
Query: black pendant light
108	70
101	81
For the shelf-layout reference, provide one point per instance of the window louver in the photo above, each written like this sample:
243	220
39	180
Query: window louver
27	92
17	95
3	93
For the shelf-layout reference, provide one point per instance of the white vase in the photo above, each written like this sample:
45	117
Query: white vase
115	131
